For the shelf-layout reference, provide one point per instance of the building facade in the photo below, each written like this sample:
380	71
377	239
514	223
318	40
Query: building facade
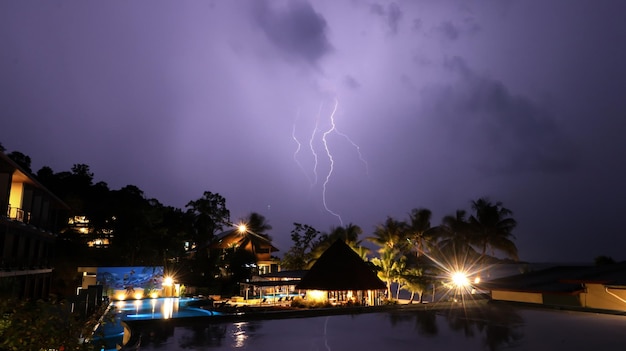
29	215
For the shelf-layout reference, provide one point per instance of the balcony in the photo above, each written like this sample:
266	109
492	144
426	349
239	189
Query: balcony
18	214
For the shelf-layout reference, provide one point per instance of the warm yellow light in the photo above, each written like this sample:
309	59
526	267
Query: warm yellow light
120	296
477	280
460	279
242	228
168	281
154	295
316	295
138	295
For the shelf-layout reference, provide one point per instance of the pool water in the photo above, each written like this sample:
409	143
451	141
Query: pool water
109	334
489	327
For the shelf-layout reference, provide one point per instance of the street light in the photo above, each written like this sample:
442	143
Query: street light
459	279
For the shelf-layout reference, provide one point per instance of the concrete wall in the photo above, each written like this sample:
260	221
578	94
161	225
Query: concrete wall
597	296
517	296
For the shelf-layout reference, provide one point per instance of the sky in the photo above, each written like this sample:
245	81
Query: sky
335	112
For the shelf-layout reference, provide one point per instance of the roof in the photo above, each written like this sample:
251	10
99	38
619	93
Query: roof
561	279
22	175
340	268
226	239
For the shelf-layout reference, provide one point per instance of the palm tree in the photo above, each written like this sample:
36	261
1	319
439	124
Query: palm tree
257	224
420	231
387	265
456	233
493	228
415	281
391	234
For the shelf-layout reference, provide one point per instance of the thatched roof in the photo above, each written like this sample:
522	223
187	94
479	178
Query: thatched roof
340	268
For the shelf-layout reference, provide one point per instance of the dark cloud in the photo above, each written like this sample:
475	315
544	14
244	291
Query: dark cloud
449	30
298	30
391	15
508	133
351	82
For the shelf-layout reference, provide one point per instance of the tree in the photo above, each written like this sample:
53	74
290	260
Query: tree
493	227
420	231
455	234
391	234
603	260
414	281
387	265
21	159
304	238
257	224
211	215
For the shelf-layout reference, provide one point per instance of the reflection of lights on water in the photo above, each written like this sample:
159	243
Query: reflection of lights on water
239	334
137	303
153	302
168	308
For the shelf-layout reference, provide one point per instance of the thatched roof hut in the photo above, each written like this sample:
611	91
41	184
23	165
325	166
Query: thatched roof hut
339	268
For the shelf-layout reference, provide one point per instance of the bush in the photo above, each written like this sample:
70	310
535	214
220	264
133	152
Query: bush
37	325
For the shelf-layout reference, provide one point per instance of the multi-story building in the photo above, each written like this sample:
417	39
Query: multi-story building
29	214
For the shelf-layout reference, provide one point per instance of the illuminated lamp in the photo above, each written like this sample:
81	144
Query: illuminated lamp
460	279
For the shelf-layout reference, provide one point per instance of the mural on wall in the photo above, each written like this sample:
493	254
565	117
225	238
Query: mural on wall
130	278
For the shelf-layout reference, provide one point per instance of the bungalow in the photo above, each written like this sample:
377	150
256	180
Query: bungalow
340	276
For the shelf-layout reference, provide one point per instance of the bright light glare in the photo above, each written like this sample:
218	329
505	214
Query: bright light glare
460	279
242	228
168	281
120	297
316	295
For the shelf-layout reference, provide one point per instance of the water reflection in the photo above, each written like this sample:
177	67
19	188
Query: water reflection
211	335
490	327
498	326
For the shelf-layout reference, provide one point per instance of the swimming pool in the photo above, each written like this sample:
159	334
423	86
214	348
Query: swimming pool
110	332
489	327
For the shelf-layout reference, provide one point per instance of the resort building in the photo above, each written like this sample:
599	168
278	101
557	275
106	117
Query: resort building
586	287
341	277
29	215
272	288
243	239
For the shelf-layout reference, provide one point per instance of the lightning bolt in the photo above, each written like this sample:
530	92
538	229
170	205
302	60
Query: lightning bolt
328	152
331	159
317	121
357	148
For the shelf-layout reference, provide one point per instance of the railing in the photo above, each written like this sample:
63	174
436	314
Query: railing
17	214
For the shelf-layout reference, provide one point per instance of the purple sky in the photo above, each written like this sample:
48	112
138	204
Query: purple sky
438	103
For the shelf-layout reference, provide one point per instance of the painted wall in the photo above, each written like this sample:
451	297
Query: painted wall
596	296
517	296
